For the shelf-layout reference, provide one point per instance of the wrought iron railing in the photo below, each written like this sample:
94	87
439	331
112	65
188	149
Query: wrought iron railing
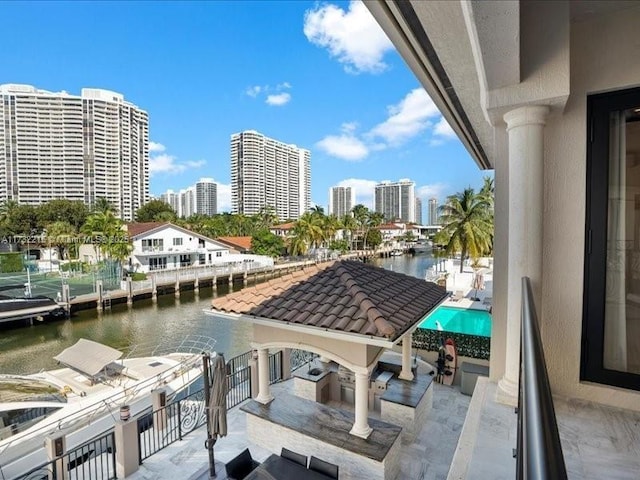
275	367
94	460
298	358
160	428
539	451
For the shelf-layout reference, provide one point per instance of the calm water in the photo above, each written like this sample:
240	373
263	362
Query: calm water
459	320
30	349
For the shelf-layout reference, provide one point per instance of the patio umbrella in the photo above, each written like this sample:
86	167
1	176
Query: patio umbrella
217	417
478	283
216	401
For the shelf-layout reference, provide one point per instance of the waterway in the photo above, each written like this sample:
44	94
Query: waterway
31	349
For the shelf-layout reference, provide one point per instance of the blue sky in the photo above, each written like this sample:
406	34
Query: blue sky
320	75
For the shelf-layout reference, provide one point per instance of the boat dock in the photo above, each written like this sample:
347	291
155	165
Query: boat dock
186	279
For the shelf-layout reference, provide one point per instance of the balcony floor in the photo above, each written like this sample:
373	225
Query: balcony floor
598	441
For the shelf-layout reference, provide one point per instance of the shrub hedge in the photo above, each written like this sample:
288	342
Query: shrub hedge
472	346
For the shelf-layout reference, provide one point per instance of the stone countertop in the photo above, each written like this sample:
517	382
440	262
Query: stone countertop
303	371
326	424
408	393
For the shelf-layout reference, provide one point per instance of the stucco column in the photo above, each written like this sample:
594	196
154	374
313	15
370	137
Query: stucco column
406	373
525	128
361	426
264	395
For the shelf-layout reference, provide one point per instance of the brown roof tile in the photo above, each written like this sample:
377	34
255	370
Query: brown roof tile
135	229
347	296
242	243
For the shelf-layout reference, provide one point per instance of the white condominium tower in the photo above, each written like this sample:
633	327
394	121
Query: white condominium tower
269	173
57	145
341	201
201	198
418	219
396	200
433	211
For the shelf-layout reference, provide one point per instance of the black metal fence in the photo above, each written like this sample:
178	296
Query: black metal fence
539	451
239	384
275	367
160	428
95	460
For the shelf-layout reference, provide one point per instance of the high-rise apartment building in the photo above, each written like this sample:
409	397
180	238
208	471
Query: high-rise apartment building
341	201
57	145
206	197
418	211
201	198
173	199
269	173
396	200
433	212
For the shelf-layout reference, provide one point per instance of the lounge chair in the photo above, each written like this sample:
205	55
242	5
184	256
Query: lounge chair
241	466
294	457
326	468
456	296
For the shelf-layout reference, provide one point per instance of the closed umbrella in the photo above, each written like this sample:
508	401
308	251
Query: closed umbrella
478	283
218	399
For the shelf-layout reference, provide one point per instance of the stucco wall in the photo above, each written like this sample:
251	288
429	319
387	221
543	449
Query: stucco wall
604	56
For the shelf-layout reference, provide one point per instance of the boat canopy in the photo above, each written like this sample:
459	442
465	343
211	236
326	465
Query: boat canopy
88	357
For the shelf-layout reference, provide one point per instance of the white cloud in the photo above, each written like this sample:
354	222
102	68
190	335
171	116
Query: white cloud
278	99
345	146
435	190
156	147
364	189
352	36
253	91
443	129
160	162
224	197
407	118
283	85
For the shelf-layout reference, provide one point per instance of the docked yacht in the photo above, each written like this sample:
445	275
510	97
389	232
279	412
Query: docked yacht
14	308
82	400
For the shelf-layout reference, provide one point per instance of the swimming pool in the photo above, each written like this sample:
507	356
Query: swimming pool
459	320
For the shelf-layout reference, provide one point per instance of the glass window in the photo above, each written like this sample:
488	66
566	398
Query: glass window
177	241
611	334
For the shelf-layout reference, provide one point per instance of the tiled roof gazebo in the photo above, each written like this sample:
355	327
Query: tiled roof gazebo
346	311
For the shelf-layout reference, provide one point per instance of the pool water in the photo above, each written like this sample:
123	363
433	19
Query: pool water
459	320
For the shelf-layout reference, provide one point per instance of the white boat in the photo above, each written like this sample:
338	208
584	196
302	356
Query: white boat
83	399
14	308
422	246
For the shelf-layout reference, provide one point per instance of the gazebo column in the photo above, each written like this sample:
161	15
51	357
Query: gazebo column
264	395
406	373
361	426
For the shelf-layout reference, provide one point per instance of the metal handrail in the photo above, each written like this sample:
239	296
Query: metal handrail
539	451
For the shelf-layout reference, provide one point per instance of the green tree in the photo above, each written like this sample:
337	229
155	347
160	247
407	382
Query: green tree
103	205
23	220
467	225
61	210
331	224
108	235
266	218
264	242
155	211
60	235
373	238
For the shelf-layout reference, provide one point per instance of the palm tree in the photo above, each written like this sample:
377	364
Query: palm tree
361	216
108	228
467	225
102	205
349	225
331	224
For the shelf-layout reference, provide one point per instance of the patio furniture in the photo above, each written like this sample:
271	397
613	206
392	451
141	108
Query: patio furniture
326	468
457	296
278	468
241	466
294	457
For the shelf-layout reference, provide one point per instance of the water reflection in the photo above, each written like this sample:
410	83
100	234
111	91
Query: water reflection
30	349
